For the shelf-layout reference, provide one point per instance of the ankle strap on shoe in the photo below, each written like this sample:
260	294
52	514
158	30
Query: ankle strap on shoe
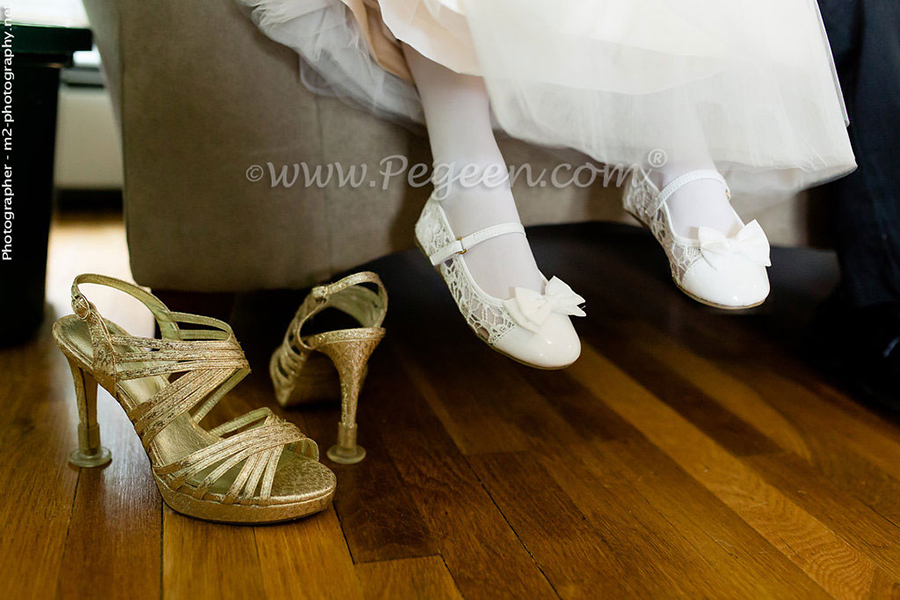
118	356
463	244
685	179
348	295
327	290
82	307
166	319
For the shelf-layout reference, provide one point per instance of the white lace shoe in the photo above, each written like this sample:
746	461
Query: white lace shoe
714	269
532	328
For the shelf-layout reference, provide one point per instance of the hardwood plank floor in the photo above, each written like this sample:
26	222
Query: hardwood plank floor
427	578
688	453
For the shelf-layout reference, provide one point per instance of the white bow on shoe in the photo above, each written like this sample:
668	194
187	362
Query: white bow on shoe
532	328
750	242
531	309
712	268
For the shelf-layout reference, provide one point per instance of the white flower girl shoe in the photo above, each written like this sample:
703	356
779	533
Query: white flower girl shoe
715	269
531	328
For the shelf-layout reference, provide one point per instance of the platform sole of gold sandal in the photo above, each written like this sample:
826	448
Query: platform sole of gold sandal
237	514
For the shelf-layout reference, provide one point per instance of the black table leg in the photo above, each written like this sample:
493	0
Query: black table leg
27	195
28	116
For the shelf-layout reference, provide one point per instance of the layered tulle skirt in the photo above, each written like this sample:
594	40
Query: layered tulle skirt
751	81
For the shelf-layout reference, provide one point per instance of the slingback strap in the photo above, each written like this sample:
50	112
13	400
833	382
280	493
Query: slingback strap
85	309
330	289
166	319
348	295
685	179
463	244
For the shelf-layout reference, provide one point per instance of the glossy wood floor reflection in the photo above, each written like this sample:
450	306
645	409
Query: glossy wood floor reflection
688	453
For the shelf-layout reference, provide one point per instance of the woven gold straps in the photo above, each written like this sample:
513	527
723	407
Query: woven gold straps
174	356
153	415
258	447
211	368
257	468
210	363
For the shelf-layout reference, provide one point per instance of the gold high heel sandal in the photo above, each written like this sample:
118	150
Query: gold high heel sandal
300	367
257	468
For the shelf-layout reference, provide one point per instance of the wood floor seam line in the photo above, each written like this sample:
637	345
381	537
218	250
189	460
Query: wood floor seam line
537	564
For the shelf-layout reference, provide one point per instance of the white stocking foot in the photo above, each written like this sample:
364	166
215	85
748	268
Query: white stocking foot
501	264
698	203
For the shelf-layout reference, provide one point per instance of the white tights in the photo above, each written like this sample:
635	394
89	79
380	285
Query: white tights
457	113
699	203
458	117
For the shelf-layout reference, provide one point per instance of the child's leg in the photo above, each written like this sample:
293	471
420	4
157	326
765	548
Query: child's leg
699	203
457	113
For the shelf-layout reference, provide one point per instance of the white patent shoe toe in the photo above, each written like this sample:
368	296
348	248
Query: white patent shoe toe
739	283
555	346
532	327
725	271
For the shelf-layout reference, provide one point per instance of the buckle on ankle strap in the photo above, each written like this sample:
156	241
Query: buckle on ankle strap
80	305
462	244
679	182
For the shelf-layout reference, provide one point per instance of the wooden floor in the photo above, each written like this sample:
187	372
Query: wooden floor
687	453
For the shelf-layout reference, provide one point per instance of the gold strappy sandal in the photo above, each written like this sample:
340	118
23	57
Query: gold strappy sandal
301	368
257	468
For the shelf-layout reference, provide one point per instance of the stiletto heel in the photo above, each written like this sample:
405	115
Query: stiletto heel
350	359
257	468
89	452
299	367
